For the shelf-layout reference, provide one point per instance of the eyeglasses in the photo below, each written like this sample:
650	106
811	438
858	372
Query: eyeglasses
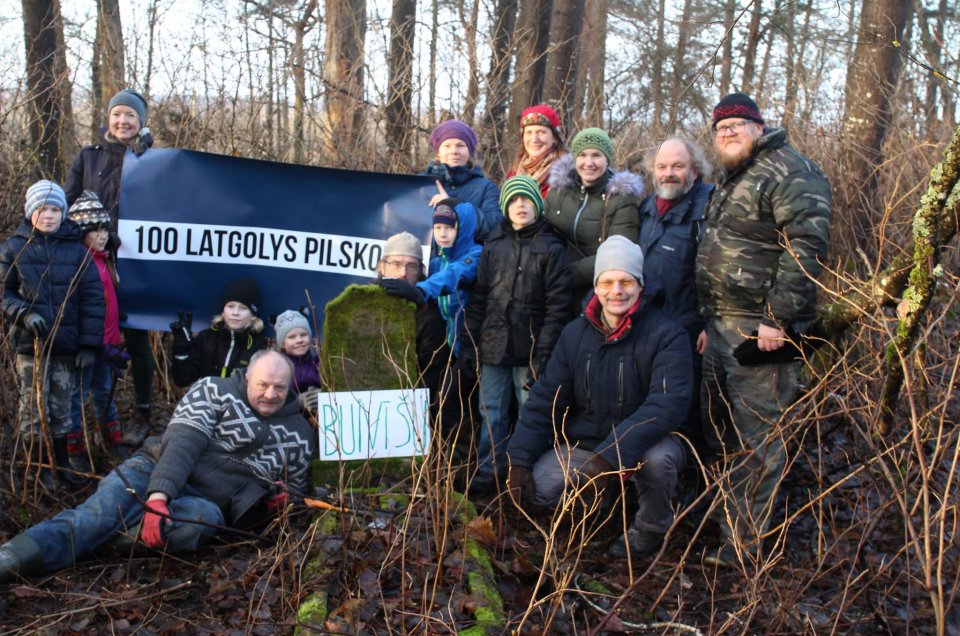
627	284
413	268
731	129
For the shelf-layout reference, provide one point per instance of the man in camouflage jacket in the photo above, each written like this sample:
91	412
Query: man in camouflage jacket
767	233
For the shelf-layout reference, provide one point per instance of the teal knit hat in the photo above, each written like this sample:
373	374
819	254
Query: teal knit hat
521	185
593	138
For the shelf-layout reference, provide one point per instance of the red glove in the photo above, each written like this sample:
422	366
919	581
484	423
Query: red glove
277	502
151	531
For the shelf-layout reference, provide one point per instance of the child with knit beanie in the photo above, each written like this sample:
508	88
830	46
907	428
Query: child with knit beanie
235	334
295	340
54	304
519	305
98	379
454	167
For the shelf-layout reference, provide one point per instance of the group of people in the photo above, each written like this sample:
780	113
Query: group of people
584	313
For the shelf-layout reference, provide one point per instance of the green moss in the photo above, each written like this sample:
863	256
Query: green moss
312	614
369	341
359	473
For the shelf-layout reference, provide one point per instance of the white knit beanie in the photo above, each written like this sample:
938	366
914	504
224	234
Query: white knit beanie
619	252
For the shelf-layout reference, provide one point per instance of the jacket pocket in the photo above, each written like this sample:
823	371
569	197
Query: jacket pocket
746	287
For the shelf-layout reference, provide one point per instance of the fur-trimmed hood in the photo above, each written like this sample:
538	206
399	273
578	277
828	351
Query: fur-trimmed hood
563	176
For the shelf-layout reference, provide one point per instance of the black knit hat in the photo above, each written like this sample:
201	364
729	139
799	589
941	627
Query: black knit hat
737	105
243	290
88	212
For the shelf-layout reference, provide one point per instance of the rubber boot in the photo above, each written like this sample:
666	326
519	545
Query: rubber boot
77	455
113	437
20	556
39	469
64	472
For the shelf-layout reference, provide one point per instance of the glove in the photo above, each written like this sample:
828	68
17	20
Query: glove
86	357
180	329
439	171
468	357
308	399
36	324
155	517
402	289
520	485
591	483
115	357
278	501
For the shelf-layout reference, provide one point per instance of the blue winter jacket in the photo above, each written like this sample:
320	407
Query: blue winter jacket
52	275
467	184
617	394
670	253
452	272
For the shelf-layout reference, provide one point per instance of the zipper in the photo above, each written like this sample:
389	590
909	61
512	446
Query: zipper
620	387
226	361
576	219
587	376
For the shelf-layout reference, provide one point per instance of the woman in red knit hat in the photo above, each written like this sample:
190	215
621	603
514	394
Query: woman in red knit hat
540	131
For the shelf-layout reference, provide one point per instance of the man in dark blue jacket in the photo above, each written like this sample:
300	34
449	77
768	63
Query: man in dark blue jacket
671	226
617	385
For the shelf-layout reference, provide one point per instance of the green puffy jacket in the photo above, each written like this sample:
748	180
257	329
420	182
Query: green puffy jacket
768	227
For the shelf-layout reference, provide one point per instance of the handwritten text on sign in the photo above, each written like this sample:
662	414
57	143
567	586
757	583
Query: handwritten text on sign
373	424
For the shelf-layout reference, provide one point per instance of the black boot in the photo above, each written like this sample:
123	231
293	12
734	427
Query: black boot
65	472
39	469
138	428
20	556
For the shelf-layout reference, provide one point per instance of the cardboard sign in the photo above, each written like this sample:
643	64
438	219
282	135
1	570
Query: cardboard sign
373	424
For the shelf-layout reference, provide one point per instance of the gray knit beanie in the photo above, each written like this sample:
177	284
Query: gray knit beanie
403	244
619	252
133	99
288	321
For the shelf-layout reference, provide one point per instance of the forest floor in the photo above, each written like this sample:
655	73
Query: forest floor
842	567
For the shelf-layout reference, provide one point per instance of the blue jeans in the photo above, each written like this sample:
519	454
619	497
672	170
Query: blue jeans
111	509
497	385
96	380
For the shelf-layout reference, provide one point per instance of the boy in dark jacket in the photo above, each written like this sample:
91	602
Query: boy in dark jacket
234	335
53	304
519	306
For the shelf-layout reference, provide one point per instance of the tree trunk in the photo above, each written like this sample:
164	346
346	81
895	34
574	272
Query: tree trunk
301	27
562	59
434	37
403	22
498	88
344	112
469	26
48	86
107	74
790	33
593	57
753	45
532	37
656	79
726	63
871	81
151	28
679	84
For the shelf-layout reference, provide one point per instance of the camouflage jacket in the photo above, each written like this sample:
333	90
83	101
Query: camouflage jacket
768	226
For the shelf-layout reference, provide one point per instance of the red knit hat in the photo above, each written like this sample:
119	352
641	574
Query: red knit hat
540	115
737	105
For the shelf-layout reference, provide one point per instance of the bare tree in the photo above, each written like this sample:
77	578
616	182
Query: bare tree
469	26
726	61
403	22
343	114
301	27
498	88
753	45
871	82
107	72
49	88
532	38
563	57
656	80
590	96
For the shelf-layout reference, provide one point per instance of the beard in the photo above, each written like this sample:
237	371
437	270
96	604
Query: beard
733	159
674	189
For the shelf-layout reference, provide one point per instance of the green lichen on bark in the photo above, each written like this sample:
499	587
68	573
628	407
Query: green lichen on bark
312	614
933	225
481	579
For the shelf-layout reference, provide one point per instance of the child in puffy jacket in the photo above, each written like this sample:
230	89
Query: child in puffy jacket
295	340
234	335
53	305
98	379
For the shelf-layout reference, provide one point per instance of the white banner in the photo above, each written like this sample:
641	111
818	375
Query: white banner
373	424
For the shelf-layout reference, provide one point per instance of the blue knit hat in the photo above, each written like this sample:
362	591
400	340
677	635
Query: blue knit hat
133	99
521	185
44	192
